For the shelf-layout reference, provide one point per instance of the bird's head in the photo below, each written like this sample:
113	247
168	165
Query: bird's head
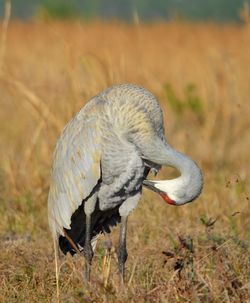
181	190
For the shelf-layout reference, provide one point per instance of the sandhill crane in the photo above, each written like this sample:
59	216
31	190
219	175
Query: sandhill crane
100	164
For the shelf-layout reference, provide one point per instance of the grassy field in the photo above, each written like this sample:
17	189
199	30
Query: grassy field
201	75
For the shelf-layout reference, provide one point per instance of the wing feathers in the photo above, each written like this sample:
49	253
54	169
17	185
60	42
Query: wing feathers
76	169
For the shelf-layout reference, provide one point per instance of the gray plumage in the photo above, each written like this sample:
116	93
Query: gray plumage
101	134
101	160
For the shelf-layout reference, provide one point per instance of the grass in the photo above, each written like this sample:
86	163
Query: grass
201	75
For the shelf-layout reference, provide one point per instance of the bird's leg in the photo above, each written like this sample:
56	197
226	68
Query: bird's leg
87	250
122	251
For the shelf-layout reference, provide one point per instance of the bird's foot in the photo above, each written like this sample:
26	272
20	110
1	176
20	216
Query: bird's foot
122	258
88	254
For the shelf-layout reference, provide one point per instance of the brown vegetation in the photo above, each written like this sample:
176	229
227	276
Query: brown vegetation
201	75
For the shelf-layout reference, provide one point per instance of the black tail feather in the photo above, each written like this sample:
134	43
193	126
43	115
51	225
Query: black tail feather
101	222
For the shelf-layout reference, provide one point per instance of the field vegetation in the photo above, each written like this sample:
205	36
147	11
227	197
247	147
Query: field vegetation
200	75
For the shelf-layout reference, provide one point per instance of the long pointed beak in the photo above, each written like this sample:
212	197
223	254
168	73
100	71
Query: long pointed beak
150	185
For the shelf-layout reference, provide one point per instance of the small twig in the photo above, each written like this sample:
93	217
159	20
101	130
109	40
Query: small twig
72	243
106	268
153	290
132	273
220	246
57	270
235	213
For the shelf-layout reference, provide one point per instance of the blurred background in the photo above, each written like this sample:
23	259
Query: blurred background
129	10
193	55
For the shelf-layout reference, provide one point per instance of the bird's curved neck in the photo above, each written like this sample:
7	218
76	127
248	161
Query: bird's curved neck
188	185
162	153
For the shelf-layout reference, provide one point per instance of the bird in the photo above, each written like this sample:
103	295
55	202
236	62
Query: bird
101	163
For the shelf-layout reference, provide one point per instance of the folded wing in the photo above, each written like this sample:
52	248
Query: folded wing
75	171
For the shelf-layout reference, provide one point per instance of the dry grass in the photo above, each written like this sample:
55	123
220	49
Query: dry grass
49	72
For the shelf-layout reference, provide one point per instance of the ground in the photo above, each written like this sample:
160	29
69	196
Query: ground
200	74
